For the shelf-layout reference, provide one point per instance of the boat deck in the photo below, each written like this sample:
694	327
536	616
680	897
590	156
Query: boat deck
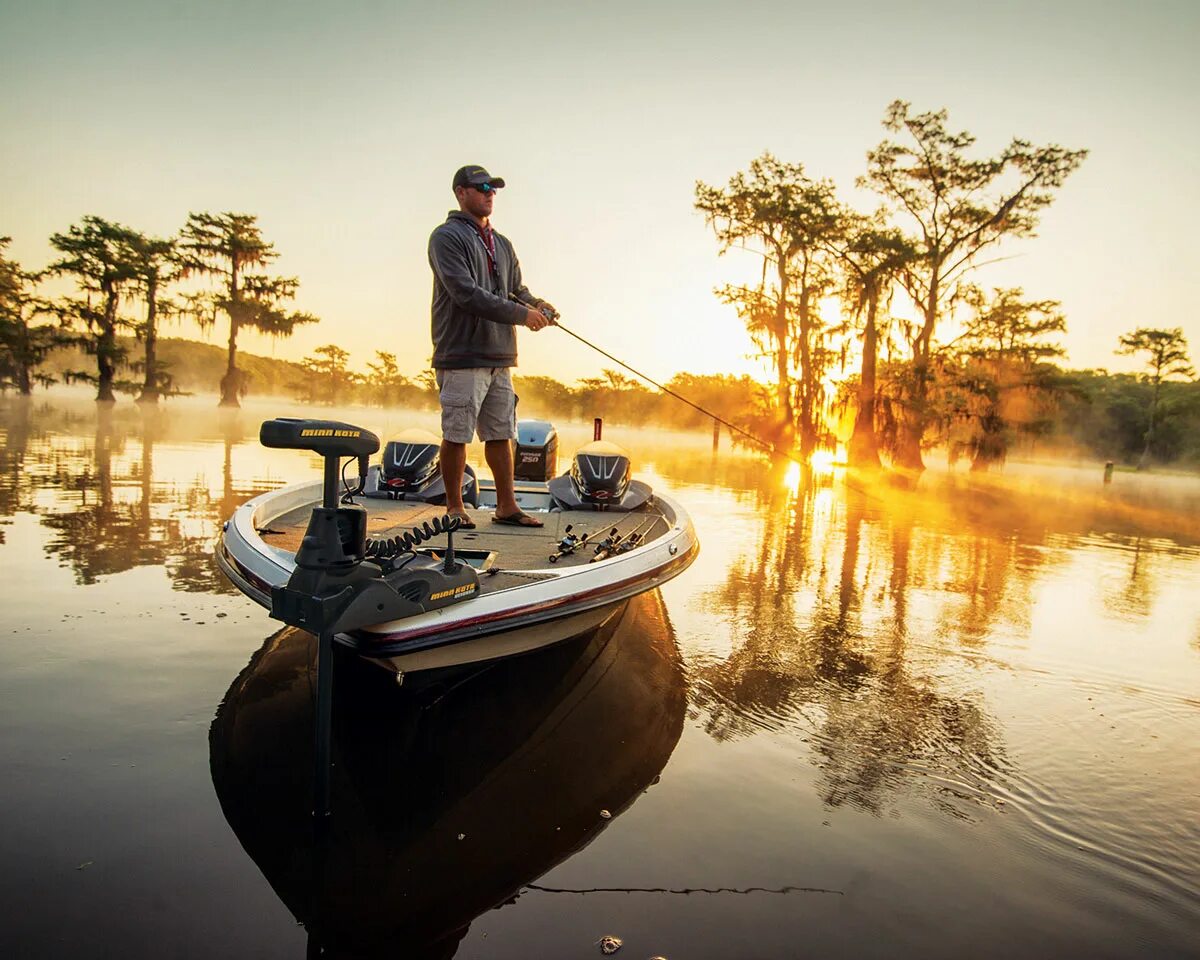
521	553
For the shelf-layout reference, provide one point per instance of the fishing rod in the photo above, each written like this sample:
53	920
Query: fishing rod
606	545
611	547
553	316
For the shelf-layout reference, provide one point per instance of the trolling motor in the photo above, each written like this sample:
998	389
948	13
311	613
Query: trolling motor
342	581
335	587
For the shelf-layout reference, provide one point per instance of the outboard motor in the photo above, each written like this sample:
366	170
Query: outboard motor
410	470
410	462
600	478
535	454
600	473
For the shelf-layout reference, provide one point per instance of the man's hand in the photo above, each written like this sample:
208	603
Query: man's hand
535	319
548	308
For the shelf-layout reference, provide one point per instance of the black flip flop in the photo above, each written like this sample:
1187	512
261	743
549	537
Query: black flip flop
464	522
518	519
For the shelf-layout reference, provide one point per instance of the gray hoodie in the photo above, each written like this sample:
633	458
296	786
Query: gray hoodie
473	317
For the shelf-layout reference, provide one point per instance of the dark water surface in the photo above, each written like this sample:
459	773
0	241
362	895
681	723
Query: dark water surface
960	721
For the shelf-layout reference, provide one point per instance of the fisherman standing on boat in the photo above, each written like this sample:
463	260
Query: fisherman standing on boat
475	277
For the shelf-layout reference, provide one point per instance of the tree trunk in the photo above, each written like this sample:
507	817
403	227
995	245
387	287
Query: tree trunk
150	392
808	430
1144	459
21	357
24	367
106	349
864	448
784	385
231	382
908	443
912	424
992	447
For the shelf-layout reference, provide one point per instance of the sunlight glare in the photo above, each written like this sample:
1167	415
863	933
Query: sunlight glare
822	461
791	479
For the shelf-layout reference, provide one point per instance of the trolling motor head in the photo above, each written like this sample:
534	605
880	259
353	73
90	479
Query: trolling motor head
332	439
329	438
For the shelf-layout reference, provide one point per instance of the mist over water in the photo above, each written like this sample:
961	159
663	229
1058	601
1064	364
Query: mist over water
958	719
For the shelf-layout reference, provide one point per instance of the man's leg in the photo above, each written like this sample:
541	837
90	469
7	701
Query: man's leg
500	459
453	464
457	393
497	429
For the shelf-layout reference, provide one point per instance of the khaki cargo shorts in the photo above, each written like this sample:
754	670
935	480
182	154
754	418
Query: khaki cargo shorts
479	399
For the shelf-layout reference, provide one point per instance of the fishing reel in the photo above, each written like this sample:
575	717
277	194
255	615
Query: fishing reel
606	546
568	544
543	308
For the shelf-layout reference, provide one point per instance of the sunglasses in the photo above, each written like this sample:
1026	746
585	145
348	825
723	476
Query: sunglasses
484	188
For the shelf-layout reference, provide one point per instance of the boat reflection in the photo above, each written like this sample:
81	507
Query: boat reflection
449	798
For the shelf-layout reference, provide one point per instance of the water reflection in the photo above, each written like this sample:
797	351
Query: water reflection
821	649
853	614
1005	663
17	423
96	492
449	799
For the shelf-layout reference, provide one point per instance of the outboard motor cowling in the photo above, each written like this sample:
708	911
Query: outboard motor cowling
410	461
535	454
600	478
411	470
600	472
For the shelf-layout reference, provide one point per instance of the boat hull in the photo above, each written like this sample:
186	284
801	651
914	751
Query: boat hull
548	604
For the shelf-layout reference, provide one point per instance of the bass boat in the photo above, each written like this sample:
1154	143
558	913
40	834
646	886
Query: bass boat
382	568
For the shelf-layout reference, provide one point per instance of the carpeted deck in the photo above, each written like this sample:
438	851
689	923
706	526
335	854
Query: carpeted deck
517	549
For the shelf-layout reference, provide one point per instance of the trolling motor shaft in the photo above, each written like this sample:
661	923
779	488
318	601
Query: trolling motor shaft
334	587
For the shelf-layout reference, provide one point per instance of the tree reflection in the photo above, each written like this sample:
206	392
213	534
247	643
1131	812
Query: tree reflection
17	430
192	568
861	609
1132	595
821	612
109	514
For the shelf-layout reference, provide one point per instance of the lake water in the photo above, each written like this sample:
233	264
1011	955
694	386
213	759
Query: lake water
957	721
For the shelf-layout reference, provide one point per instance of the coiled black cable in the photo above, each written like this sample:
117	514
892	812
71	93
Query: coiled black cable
387	548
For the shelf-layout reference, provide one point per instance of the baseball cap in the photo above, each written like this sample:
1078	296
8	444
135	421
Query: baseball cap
473	175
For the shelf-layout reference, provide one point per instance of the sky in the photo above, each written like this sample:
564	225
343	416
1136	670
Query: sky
340	126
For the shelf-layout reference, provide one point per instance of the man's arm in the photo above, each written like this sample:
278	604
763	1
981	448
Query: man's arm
451	266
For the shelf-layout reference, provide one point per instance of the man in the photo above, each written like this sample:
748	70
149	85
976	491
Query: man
475	275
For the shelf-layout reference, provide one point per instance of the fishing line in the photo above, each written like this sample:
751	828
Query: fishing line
669	392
